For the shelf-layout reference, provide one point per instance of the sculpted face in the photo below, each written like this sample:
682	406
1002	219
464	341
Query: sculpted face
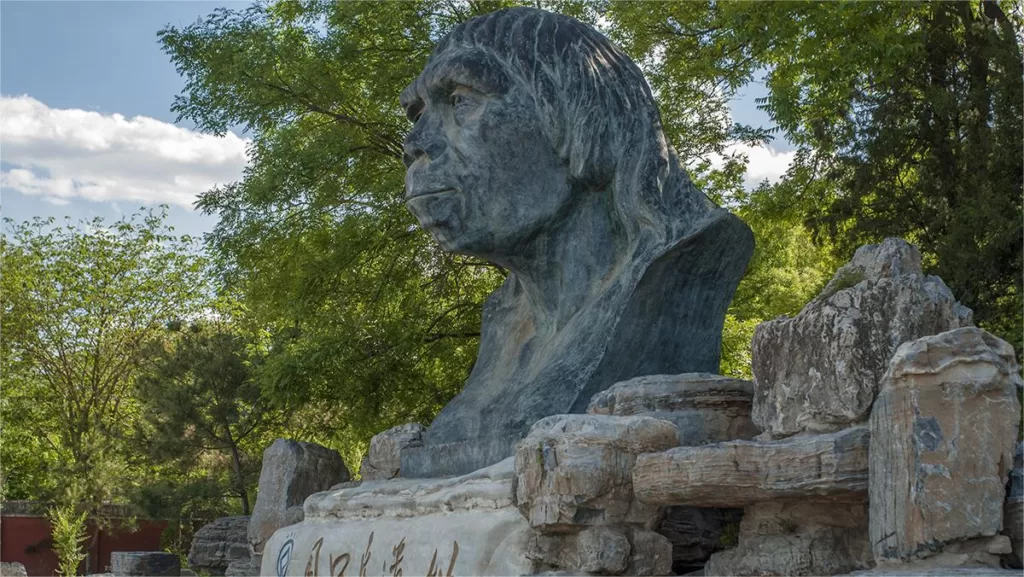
482	178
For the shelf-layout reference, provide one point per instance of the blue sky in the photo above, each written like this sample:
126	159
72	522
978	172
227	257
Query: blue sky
87	128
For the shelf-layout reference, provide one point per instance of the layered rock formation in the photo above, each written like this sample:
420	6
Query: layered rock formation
217	545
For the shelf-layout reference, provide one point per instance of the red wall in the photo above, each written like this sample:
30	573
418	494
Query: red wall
26	540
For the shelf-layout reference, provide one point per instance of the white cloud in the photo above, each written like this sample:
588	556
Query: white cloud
764	162
61	155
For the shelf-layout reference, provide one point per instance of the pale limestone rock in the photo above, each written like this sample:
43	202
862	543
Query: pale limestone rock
383	459
740	473
943	432
1013	509
292	471
593	550
217	545
803	537
460	526
820	370
706	408
575	471
651	554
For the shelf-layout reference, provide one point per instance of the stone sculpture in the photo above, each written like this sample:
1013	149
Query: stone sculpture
538	146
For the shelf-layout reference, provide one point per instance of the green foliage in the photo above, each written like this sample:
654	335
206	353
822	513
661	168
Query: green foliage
199	395
80	306
69	534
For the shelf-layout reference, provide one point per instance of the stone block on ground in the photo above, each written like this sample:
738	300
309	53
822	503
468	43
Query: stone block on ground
241	568
943	433
216	545
741	473
706	408
12	569
145	563
1013	510
292	471
383	458
798	538
819	371
575	471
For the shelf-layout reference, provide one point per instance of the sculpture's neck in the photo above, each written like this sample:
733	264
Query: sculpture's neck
569	263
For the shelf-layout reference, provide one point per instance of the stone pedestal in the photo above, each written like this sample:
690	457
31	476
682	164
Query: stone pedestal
458	526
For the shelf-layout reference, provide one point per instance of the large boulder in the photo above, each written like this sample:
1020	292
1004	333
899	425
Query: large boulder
943	433
575	471
12	569
819	371
384	458
216	545
292	471
144	563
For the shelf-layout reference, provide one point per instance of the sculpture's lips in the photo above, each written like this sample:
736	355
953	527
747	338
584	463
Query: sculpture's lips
419	193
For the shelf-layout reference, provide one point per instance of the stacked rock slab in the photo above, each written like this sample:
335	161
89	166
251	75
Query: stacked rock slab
455	526
292	471
705	408
217	545
573	483
944	429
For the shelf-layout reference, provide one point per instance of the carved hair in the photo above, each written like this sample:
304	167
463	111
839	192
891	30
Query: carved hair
598	113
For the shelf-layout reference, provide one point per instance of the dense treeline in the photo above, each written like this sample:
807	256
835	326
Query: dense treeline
152	372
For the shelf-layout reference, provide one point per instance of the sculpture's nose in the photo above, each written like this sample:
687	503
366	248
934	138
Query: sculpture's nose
425	139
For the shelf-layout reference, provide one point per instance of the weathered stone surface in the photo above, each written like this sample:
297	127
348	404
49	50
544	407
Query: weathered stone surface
216	545
383	459
798	538
292	471
151	563
651	554
1013	510
820	370
705	408
574	471
943	432
618	265
592	550
12	570
740	473
697	532
460	526
241	568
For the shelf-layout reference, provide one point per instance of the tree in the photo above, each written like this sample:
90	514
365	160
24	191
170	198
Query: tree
200	396
80	306
909	118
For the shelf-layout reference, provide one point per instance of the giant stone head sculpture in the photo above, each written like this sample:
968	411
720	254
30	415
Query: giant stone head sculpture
537	145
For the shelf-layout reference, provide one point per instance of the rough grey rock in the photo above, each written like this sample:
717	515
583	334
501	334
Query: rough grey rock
292	471
383	459
820	370
151	563
651	553
705	408
216	545
1013	509
740	473
618	265
12	570
575	471
697	532
943	433
592	550
798	538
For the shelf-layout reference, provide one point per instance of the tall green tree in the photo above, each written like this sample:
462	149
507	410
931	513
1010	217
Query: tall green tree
199	396
81	303
909	119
